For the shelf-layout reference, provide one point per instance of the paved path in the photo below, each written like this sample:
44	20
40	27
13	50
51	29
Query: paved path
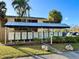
52	56
65	55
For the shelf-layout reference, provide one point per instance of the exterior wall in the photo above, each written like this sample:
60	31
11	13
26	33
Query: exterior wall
12	19
2	33
41	20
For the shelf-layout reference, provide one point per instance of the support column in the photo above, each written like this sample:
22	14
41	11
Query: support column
42	33
5	35
51	35
51	40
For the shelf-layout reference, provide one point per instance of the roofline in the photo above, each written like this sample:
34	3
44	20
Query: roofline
38	25
26	17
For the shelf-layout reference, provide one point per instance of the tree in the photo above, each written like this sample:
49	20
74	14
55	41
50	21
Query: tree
2	9
2	13
28	10
21	7
55	16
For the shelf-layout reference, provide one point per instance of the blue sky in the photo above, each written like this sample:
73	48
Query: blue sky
41	8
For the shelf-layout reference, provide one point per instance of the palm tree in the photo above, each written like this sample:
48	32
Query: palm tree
2	9
2	13
55	16
21	7
28	10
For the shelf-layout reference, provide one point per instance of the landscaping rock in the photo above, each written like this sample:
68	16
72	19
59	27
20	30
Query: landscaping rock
44	47
69	47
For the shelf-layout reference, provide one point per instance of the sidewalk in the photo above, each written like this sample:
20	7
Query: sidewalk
52	56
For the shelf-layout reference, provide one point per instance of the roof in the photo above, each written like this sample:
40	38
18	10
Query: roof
28	17
36	25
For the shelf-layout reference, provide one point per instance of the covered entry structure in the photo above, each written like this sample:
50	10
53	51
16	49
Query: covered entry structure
24	35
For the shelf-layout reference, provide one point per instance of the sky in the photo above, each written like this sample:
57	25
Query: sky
40	8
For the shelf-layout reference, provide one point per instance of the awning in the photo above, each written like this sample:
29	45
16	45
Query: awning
36	25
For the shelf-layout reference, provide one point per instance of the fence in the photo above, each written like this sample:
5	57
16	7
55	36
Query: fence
31	35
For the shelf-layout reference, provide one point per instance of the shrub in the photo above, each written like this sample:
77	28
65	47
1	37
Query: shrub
69	39
76	39
57	39
37	39
46	39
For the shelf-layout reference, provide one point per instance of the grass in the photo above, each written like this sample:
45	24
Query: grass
34	51
76	46
7	51
61	46
19	51
28	50
38	47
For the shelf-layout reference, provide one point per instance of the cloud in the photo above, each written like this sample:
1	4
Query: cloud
66	18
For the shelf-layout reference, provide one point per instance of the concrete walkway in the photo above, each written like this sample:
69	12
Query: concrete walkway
64	55
52	56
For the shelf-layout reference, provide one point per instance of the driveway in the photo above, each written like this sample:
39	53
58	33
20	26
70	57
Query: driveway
64	55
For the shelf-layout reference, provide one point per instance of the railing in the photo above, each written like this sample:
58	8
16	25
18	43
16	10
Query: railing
30	35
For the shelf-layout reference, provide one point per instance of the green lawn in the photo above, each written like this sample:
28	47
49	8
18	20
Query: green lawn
9	51
61	46
32	49
28	50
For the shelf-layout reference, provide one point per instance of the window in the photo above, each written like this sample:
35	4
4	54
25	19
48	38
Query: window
48	22
34	29
23	20
20	28
35	21
20	20
17	20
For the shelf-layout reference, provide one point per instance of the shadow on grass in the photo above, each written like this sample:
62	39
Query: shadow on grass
31	54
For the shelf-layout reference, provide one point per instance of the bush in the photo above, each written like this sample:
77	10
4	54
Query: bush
69	39
72	39
76	39
46	39
37	39
59	39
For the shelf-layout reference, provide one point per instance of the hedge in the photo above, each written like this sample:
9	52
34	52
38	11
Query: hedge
58	39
